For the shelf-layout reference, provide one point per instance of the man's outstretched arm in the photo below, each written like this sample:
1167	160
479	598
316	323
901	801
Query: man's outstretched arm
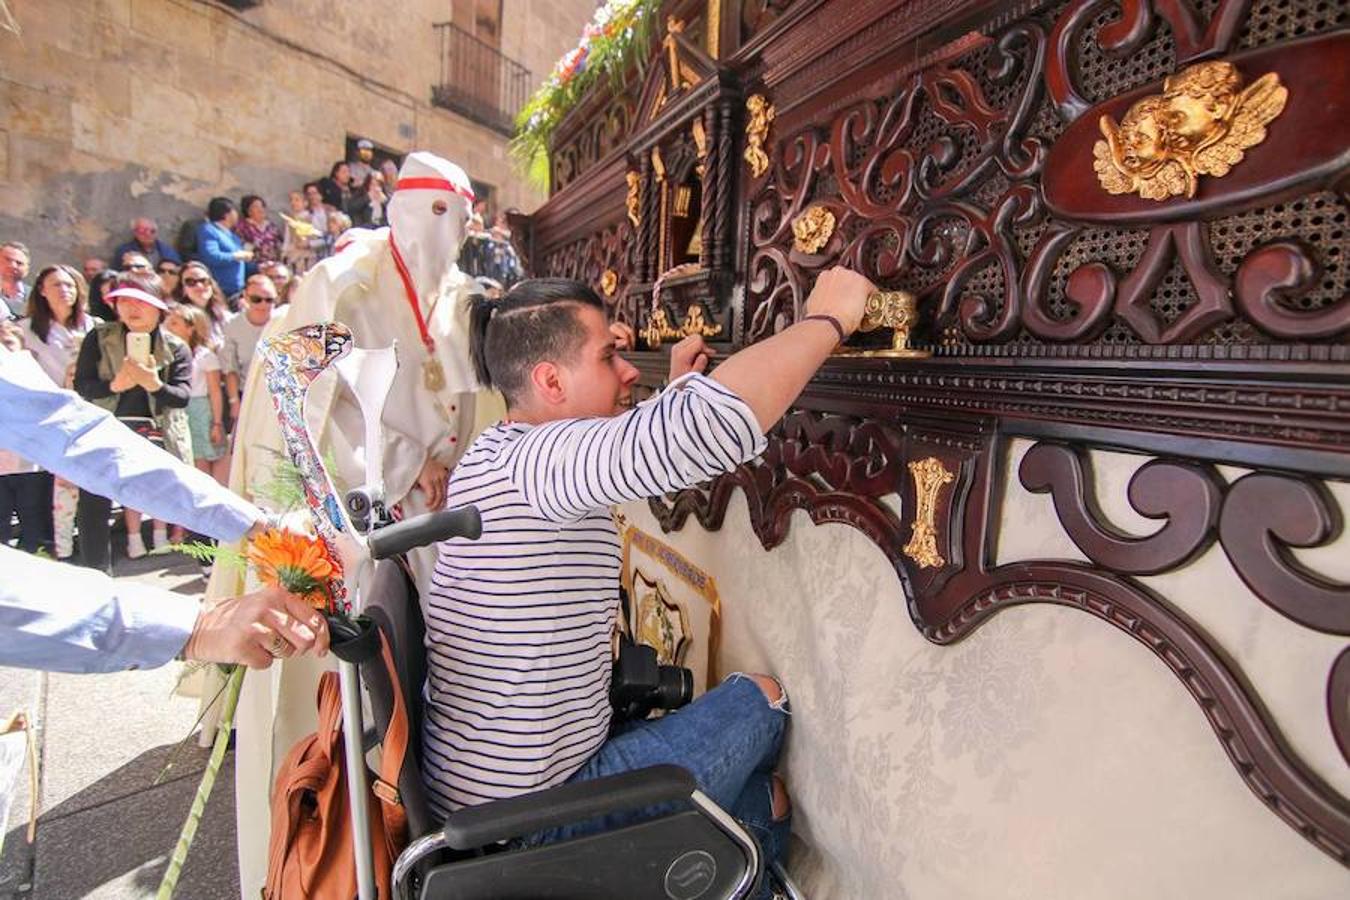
86	445
62	618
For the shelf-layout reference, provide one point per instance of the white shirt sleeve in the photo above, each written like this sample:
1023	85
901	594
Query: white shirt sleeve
84	444
63	618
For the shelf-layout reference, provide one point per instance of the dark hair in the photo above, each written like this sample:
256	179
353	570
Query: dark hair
40	310
332	172
248	201
533	322
219	208
217	307
99	285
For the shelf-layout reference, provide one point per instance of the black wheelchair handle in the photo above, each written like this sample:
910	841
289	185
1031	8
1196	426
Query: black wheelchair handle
462	521
477	826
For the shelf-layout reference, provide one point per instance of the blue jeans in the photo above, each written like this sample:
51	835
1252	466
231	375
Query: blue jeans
728	739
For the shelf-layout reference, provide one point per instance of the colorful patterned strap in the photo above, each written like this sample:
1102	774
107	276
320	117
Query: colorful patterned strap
291	363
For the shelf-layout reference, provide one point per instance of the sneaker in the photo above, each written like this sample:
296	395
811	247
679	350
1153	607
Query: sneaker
135	546
161	538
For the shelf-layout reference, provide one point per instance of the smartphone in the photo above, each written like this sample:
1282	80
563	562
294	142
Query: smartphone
138	347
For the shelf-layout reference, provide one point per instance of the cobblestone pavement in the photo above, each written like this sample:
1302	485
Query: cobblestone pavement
105	828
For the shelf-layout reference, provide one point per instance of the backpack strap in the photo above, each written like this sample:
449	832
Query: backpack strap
393	751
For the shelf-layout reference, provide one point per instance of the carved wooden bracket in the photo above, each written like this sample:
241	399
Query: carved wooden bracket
941	552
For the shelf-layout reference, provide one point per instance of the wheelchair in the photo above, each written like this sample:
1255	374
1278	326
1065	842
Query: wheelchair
693	849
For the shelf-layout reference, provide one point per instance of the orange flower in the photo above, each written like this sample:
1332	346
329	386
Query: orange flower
299	563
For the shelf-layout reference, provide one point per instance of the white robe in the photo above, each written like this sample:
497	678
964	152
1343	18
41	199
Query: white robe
359	287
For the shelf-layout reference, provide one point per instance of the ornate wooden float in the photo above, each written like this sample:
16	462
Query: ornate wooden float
1124	228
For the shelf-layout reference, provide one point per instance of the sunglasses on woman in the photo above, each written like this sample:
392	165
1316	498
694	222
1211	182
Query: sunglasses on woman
194	282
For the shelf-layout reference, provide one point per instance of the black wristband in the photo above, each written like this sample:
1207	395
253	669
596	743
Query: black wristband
822	317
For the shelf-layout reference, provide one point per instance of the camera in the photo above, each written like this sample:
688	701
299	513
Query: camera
641	685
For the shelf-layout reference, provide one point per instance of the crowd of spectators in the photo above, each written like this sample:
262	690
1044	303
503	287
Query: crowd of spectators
202	304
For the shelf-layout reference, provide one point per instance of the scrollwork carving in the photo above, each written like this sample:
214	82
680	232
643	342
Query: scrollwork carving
607	260
1262	516
1338	702
1186	495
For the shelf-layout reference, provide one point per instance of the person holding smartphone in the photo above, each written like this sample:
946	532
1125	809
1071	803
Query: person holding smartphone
141	374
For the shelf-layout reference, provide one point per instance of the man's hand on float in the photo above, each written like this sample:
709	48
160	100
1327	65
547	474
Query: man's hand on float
623	336
432	481
689	355
256	628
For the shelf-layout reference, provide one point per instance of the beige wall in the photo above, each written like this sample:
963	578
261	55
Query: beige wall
116	108
1048	755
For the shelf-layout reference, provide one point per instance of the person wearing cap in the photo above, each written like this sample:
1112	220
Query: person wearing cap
361	167
150	398
397	285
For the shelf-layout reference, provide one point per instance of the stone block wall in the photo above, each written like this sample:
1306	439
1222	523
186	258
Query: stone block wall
111	109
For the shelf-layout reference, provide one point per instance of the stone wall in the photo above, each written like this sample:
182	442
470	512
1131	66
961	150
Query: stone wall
111	109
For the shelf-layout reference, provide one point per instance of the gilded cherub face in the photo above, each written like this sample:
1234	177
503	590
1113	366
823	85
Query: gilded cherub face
1200	101
1145	134
1193	119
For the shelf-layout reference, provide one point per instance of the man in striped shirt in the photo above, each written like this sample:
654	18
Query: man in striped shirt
519	622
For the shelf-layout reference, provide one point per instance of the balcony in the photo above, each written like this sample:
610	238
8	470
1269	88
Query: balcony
477	81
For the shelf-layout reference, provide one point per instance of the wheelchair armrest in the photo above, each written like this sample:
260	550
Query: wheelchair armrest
476	826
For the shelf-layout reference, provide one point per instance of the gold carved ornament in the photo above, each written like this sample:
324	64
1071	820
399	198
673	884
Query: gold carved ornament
659	329
609	282
929	475
812	229
756	132
700	145
897	310
695	323
634	199
1199	125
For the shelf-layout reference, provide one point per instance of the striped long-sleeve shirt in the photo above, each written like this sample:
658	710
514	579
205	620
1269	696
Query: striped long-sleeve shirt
519	622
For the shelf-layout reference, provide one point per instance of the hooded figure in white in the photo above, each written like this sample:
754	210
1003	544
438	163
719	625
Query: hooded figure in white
397	285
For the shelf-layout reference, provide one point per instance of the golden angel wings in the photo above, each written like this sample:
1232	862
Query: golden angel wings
1199	125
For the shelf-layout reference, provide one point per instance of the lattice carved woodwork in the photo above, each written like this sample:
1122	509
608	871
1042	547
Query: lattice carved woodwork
591	139
613	249
940	186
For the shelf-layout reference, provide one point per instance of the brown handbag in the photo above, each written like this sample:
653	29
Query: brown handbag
310	855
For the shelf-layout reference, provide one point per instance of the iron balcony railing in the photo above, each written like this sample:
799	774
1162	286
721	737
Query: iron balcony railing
478	81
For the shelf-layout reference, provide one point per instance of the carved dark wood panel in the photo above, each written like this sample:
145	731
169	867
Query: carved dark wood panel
610	250
953	142
936	187
590	136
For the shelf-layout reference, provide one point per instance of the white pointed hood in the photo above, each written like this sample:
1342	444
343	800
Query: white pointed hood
427	218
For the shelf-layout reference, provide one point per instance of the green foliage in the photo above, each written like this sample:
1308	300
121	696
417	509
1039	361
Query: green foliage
614	43
284	491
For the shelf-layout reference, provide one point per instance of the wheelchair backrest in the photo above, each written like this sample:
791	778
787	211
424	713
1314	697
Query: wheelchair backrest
392	602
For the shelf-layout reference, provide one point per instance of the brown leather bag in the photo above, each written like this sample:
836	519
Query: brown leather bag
310	856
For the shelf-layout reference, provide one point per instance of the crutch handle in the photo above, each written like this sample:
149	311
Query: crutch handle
462	521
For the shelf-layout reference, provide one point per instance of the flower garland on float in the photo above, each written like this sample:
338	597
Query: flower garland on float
615	40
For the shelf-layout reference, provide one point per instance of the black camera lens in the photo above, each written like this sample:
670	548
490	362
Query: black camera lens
674	687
